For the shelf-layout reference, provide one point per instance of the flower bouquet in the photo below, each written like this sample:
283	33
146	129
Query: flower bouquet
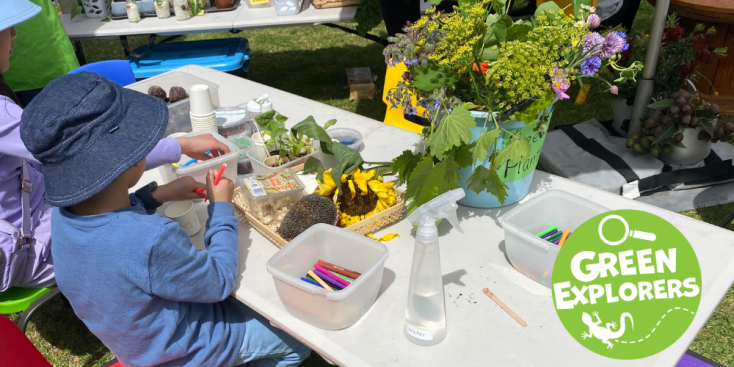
486	85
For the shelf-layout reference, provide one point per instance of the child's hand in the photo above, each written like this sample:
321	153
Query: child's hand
183	188
223	191
197	146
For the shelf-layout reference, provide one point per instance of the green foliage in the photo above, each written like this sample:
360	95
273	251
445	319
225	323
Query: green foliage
296	142
313	165
452	132
484	143
662	105
405	164
668	131
484	179
549	7
432	76
515	151
429	180
76	9
368	16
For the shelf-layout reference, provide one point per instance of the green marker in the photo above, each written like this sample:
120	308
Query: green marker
551	229
554	237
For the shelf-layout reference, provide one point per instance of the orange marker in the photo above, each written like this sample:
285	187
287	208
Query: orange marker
219	174
320	281
563	238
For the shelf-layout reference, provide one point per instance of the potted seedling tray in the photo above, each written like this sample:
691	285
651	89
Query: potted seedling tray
363	227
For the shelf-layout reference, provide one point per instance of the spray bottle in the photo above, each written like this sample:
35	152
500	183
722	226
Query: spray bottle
425	316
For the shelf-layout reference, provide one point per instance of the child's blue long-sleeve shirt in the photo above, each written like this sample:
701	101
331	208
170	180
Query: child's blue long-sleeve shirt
142	288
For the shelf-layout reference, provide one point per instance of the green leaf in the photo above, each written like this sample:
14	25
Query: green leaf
346	161
518	32
490	54
547	6
706	124
281	119
314	165
106	19
405	164
434	2
484	179
679	145
329	123
463	155
428	181
265	118
662	105
515	151
76	9
368	16
668	131
501	27
452	132
577	5
499	6
310	128
432	76
484	143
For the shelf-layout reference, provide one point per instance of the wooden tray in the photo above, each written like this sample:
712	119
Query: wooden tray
325	4
363	227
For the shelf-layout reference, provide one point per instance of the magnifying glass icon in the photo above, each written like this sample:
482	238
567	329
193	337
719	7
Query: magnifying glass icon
627	233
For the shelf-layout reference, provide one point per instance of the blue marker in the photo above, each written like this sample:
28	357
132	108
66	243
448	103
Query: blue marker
188	163
314	283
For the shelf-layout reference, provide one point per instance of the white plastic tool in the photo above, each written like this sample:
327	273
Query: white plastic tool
425	316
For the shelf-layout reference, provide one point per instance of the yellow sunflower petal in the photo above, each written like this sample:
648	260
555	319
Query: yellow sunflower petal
351	187
387	237
376	186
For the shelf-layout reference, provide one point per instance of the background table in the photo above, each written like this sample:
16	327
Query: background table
479	332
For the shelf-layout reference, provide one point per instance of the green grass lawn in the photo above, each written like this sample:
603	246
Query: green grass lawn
311	62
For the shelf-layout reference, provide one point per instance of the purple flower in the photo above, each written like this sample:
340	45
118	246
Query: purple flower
592	41
624	37
591	65
559	83
410	110
593	21
407	77
410	63
611	46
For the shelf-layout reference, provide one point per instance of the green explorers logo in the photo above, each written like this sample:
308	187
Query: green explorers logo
626	284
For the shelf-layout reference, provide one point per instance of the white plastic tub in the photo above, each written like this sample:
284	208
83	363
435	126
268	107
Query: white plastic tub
315	305
178	113
198	170
349	137
258	155
531	255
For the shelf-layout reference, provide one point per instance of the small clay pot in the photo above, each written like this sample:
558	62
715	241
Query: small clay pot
224	4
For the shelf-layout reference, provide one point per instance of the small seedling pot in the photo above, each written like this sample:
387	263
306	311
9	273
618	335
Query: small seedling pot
224	4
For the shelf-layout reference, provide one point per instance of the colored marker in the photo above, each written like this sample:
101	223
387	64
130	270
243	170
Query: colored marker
188	163
348	279
325	277
323	284
200	191
338	269
555	237
566	233
219	174
312	282
175	164
331	275
541	234
209	153
550	234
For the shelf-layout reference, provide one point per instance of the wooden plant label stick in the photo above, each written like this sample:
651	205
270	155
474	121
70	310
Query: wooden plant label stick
504	307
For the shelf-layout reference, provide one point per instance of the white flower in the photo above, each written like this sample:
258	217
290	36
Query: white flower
580	24
591	9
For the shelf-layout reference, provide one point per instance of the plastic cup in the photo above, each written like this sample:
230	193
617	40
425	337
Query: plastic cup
183	213
200	100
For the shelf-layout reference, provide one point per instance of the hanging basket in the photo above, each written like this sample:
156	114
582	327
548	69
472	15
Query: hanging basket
325	4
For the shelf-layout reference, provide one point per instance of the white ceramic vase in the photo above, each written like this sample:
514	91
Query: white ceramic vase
694	152
97	8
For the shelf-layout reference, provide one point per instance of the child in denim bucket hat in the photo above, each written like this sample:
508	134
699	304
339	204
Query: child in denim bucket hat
133	277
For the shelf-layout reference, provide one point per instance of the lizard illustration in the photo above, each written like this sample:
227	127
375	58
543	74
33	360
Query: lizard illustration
604	334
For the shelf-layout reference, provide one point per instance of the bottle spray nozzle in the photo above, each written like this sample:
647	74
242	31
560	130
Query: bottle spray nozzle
443	206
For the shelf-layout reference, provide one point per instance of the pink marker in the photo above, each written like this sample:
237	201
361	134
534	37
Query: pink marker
331	275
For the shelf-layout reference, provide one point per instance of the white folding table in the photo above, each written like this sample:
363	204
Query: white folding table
479	332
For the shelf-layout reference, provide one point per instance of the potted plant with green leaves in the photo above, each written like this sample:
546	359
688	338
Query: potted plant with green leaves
486	85
283	147
684	131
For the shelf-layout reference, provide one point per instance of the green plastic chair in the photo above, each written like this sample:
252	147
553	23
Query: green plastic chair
26	301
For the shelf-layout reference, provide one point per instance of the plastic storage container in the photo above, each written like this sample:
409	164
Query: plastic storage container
288	7
244	142
198	170
317	306
266	193
178	113
259	3
232	121
244	166
349	137
530	255
258	155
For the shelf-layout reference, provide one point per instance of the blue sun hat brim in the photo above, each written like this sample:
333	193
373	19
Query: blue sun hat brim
17	11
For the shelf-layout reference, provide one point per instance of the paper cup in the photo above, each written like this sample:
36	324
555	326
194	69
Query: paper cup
200	100
208	123
184	214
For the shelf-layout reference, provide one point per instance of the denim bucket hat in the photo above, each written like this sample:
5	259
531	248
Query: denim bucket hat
16	11
87	131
